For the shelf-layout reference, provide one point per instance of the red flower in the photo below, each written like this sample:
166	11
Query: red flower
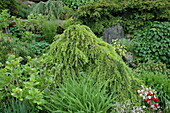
156	105
150	94
152	98
145	100
156	99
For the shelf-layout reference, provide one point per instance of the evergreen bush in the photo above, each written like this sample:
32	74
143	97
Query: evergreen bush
131	14
11	5
51	9
79	50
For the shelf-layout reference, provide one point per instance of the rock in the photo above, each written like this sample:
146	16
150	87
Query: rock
114	32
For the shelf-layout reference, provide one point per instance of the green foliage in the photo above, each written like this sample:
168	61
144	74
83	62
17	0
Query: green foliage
74	4
38	47
131	15
24	10
129	45
27	82
49	29
51	8
161	84
11	5
153	67
120	49
69	22
12	46
79	50
152	43
41	25
15	106
80	95
19	81
4	16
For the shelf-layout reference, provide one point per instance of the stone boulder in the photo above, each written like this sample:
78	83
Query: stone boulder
114	32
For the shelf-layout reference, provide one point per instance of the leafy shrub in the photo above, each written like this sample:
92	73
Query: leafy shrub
153	67
79	50
76	3
49	29
128	43
11	5
24	10
160	83
51	8
4	23
131	15
152	43
38	48
80	95
27	82
12	46
120	49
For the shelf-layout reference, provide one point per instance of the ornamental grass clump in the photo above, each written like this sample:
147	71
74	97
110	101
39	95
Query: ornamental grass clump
79	50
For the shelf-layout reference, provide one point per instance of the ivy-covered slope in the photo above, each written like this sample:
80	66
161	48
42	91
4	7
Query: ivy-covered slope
79	50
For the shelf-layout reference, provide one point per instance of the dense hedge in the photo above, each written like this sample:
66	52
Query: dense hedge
12	5
130	14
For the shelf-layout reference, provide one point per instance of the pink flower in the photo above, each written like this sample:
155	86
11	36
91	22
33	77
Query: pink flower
138	91
143	91
149	102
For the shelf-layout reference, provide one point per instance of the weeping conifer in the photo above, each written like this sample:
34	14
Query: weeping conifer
51	8
79	50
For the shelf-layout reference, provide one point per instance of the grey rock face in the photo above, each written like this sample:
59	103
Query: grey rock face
114	32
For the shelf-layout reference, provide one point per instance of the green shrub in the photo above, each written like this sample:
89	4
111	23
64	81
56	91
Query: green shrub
11	5
153	67
27	81
51	9
12	46
79	50
81	95
132	15
120	49
74	4
152	43
161	84
49	30
4	23
16	106
38	48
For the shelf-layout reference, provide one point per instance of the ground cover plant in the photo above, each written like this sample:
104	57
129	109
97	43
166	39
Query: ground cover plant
53	57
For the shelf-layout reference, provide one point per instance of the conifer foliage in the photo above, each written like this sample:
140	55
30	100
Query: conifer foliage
79	50
50	8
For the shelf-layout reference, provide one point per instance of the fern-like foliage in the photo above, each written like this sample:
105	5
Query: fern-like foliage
79	50
51	8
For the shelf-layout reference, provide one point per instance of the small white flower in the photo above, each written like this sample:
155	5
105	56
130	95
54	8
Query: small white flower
141	95
149	97
144	106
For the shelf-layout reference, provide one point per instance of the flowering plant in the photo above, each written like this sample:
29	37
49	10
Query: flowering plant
149	96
